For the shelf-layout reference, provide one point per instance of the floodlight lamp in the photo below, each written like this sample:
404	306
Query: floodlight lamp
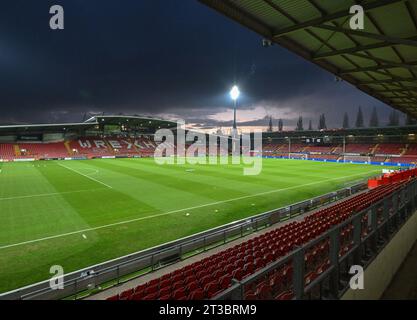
234	93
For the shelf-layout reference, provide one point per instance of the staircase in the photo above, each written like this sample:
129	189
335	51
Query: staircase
109	147
404	150
333	150
17	152
374	148
67	146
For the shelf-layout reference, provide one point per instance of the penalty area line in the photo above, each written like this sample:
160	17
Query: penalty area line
175	211
49	194
84	175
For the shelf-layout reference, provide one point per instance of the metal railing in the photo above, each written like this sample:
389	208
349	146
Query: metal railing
117	271
384	219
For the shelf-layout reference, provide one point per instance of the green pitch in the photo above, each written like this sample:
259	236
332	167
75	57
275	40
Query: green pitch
79	213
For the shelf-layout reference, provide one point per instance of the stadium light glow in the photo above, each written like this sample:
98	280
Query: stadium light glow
234	93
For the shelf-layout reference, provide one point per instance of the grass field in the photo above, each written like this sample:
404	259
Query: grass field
78	213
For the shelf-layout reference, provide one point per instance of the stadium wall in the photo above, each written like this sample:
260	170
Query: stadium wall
379	274
389	164
52	137
7	138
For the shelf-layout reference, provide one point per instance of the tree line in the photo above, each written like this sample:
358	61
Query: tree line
393	121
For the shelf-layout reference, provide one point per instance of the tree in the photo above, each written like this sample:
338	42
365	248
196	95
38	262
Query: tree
374	122
280	125
359	119
345	121
300	124
322	122
270	128
310	125
394	119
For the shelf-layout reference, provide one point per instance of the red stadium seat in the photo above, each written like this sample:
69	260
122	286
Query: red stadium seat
178	294
197	295
126	294
137	296
210	276
211	289
287	295
237	274
251	296
192	286
151	290
152	296
165	291
225	281
264	292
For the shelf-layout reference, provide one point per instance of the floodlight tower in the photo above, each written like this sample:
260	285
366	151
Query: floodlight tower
234	94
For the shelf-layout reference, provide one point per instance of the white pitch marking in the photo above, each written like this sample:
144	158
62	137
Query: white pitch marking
48	194
93	173
84	175
174	211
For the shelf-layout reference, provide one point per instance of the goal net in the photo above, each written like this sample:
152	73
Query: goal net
302	156
347	158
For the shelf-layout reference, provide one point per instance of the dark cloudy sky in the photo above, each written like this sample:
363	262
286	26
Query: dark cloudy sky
169	58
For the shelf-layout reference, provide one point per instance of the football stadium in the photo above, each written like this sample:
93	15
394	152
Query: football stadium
88	211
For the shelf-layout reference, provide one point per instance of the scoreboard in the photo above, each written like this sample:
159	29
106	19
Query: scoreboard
318	141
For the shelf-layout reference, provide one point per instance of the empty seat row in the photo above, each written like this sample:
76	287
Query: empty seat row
210	276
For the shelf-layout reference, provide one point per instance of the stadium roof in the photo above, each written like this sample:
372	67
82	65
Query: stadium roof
380	60
132	121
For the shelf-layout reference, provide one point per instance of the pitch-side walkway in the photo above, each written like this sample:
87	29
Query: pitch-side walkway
404	284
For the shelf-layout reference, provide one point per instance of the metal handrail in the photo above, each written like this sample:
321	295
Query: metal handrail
236	291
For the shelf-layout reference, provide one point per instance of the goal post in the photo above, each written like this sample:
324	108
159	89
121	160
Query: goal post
300	156
352	159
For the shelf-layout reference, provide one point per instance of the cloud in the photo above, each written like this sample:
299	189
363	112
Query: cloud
172	58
